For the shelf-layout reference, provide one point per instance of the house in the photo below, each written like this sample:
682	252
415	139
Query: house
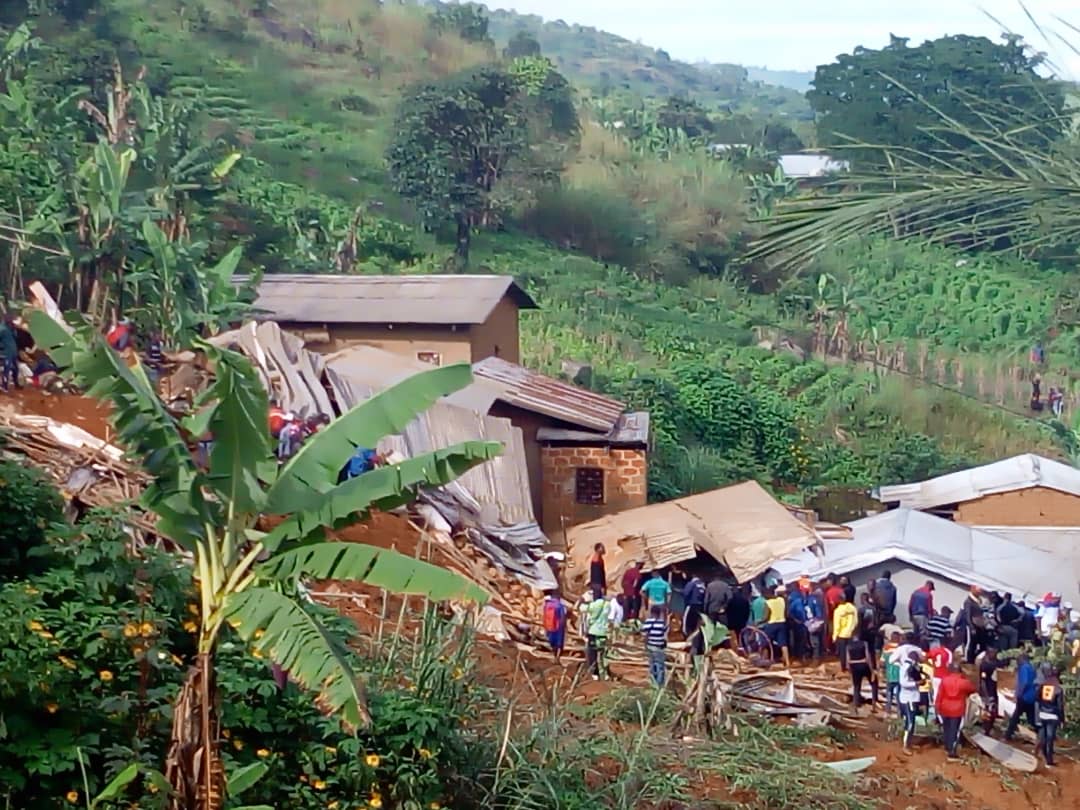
437	319
811	167
1026	490
587	456
915	547
741	526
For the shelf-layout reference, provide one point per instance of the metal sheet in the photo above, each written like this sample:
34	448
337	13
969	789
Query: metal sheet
373	299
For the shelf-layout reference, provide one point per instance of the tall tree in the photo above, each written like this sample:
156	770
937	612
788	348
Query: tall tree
521	44
468	20
887	97
679	112
455	139
247	570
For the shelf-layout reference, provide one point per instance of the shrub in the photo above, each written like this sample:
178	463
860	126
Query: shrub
598	222
29	506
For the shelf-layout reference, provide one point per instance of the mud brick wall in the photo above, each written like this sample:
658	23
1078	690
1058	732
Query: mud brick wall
625	484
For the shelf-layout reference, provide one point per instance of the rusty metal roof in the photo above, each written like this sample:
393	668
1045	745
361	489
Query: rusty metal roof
536	392
631	430
371	299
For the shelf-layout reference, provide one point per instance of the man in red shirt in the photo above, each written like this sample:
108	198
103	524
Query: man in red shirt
834	595
631	589
940	658
951	703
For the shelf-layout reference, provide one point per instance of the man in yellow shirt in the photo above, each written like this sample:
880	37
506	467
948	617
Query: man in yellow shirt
776	622
845	620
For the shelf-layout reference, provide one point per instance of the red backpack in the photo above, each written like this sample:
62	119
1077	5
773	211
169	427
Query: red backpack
554	614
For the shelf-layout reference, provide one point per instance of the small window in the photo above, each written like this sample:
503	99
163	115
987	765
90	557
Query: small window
434	358
589	485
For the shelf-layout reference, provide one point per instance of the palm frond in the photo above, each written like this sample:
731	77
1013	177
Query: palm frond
306	475
281	629
374	566
383	488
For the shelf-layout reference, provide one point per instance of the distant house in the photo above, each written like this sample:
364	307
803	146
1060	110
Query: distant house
437	319
811	167
587	456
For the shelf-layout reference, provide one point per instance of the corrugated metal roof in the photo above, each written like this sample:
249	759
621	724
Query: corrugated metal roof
1007	475
632	429
536	392
434	299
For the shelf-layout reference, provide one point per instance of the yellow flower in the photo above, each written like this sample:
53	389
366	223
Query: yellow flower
256	653
234	623
238	744
52	708
372	760
45	634
334	805
375	800
262	753
36	627
152	787
434	806
32	591
193	609
458	673
147	628
424	753
225	733
105	675
190	626
138	649
72	796
67	662
131	630
318	784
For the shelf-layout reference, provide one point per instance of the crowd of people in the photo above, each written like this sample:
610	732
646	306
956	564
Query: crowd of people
922	667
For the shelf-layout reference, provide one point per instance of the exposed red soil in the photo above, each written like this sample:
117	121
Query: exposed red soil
89	414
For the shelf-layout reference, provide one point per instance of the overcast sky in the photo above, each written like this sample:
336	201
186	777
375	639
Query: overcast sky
801	34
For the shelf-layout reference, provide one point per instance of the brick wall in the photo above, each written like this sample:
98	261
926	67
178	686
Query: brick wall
625	484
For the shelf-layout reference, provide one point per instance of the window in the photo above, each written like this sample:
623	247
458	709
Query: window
589	485
434	358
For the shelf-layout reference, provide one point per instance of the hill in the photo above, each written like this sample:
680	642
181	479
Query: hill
797	80
606	64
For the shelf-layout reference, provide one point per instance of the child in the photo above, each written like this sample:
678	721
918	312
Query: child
892	674
655	630
555	623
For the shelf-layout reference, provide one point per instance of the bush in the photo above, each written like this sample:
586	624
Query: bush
29	506
599	222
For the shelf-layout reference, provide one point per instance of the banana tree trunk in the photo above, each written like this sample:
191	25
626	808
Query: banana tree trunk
193	765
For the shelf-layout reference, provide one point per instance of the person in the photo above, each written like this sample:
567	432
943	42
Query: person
868	626
657	591
1036	393
694	598
860	665
1025	695
119	337
910	674
988	689
595	616
555	623
290	438
275	419
1027	631
738	613
776	622
845	621
798	633
655	630
597	571
892	673
974	624
940	658
1038	354
631	590
1050	711
717	596
884	593
9	354
921	608
951	704
926	684
759	609
939	627
155	357
834	595
363	460
1056	400
1008	616
1049	613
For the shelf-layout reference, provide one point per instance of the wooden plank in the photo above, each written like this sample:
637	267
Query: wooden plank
1012	758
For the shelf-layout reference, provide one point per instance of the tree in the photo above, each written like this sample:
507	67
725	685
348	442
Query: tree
887	97
455	138
521	44
248	572
684	114
468	20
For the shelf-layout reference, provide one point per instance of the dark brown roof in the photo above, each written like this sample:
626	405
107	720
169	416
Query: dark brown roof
369	299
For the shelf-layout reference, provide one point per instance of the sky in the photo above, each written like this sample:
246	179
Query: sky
801	34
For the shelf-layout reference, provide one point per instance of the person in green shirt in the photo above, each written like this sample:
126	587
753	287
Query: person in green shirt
657	590
759	610
595	617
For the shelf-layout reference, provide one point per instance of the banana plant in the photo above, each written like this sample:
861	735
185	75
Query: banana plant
255	529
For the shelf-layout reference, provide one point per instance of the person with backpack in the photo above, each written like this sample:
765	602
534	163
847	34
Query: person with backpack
868	627
1050	711
655	630
951	704
555	623
910	677
595	618
1008	615
921	608
974	621
859	664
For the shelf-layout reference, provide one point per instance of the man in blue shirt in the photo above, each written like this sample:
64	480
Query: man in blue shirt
1025	695
694	596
